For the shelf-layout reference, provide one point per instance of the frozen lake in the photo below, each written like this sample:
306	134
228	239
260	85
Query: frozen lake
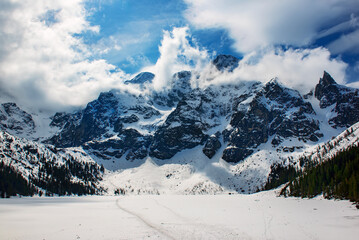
256	216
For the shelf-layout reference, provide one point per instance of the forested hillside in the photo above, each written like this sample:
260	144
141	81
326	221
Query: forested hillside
337	177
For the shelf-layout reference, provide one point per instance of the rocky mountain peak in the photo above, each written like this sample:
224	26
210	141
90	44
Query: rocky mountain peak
276	113
141	78
273	81
326	91
273	86
326	79
225	62
106	97
345	101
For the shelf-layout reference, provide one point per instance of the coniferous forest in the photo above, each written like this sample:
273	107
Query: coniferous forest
51	179
27	169
337	177
279	175
12	183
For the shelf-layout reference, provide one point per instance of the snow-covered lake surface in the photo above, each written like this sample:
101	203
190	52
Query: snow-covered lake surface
256	216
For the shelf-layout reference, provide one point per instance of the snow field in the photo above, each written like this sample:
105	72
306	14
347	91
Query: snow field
256	216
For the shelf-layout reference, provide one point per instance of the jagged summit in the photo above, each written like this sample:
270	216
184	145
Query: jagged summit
326	88
274	80
225	62
327	79
344	101
273	84
141	78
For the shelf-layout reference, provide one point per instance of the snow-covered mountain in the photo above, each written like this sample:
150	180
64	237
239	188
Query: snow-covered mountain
324	151
16	120
51	170
239	117
186	139
343	100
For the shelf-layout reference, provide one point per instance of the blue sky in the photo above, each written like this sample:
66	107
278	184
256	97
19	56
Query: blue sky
138	28
145	20
64	53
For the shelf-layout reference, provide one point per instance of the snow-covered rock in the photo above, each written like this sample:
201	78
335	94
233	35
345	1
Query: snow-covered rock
275	112
15	120
142	78
344	99
225	62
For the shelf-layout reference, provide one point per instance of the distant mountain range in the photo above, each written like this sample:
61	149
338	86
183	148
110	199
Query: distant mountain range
233	123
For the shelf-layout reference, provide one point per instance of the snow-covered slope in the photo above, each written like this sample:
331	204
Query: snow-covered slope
327	150
51	170
16	120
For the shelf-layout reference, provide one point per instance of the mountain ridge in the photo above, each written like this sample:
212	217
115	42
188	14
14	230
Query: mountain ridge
221	137
253	114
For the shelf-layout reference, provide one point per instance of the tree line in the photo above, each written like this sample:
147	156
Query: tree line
337	177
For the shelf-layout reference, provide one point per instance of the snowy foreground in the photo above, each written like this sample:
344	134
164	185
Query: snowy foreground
257	216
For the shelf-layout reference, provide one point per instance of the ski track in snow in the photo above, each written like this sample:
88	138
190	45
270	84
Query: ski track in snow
143	220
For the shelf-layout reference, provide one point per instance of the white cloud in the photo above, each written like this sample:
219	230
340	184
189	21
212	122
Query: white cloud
176	54
261	23
341	27
299	69
346	43
354	85
42	63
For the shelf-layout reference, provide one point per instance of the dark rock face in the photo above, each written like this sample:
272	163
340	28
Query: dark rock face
183	129
344	99
101	120
129	119
274	111
225	62
60	119
129	140
327	91
88	124
137	153
212	145
169	141
15	120
116	113
234	154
